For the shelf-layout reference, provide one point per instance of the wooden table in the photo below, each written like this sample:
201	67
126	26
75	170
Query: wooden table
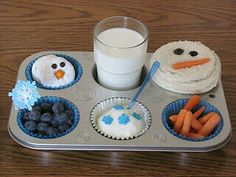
28	26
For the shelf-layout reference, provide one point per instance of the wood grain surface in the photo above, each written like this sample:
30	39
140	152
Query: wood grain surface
28	26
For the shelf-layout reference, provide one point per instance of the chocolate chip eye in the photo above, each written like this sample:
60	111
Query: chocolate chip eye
62	64
178	51
54	66
193	53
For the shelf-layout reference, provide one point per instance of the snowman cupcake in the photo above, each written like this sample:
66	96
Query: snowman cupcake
187	67
53	71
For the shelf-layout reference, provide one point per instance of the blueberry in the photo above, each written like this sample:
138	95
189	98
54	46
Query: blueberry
46	117
69	122
30	125
178	51
62	128
36	108
54	122
34	115
61	118
58	108
46	107
52	130
42	127
69	113
26	116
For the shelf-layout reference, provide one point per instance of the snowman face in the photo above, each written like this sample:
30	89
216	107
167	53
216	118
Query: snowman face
53	71
186	51
199	72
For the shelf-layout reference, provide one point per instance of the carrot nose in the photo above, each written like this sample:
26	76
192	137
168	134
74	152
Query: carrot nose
190	63
59	74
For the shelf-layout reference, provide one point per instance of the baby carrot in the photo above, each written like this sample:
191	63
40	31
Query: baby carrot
196	125
180	120
209	126
192	130
187	122
173	119
192	102
205	118
195	135
190	63
198	112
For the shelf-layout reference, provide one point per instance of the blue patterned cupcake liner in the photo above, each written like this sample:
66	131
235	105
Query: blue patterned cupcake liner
103	106
50	99
77	66
174	108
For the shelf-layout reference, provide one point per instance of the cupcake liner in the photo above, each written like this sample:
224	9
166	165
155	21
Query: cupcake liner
50	99
105	105
174	108
77	66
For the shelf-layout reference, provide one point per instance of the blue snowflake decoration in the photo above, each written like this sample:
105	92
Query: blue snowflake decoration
123	119
24	95
107	119
118	107
137	116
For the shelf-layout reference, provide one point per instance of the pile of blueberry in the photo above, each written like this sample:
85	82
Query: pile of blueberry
48	119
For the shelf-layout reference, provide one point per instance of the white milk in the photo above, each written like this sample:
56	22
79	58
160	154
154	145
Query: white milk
119	60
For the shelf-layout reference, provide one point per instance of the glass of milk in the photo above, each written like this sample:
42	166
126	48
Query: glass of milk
120	46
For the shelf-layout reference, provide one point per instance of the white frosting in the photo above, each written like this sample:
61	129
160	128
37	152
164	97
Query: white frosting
117	130
192	80
43	73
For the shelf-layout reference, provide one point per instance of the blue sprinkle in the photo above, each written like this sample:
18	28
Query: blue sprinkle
107	119
123	119
118	107
137	116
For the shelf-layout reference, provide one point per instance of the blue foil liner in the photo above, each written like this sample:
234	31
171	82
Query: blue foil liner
174	108
77	66
50	99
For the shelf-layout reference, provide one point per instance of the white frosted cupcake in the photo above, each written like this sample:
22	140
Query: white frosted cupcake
53	71
112	119
187	67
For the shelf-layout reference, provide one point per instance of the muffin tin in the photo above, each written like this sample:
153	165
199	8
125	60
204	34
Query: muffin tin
86	93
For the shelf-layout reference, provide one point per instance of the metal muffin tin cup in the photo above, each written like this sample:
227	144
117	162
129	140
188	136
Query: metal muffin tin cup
86	93
174	108
51	100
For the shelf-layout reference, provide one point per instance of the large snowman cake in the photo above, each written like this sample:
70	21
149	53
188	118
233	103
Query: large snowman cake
187	67
53	71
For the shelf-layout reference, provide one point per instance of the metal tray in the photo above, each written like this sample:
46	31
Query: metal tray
86	93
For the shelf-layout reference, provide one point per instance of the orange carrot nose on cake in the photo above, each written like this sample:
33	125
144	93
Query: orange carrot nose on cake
59	74
190	63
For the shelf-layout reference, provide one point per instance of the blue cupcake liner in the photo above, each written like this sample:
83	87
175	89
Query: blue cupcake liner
77	66
174	108
50	99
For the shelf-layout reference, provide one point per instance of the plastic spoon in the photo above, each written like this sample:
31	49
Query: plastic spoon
151	72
